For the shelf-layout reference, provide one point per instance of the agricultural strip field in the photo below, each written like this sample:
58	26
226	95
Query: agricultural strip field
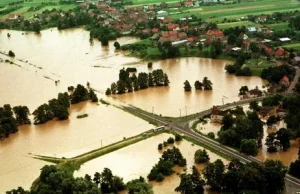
29	14
295	46
277	26
235	11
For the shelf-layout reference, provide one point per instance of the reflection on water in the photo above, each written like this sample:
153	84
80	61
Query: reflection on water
137	160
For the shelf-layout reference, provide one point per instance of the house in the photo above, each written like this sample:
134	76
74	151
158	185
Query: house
173	27
214	33
216	115
285	81
262	18
161	13
182	35
155	30
15	16
296	61
265	111
282	112
251	29
283	40
280	53
188	3
163	5
177	5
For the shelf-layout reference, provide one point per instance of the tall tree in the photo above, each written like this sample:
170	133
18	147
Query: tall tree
214	173
207	84
22	114
187	86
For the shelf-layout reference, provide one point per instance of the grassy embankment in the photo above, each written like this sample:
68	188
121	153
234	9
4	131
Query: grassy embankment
35	3
257	66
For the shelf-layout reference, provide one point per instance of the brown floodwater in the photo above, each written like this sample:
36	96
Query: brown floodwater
68	56
138	159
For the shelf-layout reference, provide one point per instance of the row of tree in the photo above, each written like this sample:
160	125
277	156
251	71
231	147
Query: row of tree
10	118
58	107
206	84
60	180
168	160
235	178
132	83
245	131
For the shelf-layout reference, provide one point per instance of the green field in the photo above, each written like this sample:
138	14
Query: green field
230	11
295	46
33	2
257	66
277	26
28	15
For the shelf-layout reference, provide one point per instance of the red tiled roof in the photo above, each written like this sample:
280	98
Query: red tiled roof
172	26
154	30
280	52
214	33
187	3
285	79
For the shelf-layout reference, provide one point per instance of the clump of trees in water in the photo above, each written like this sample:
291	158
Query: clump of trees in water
11	54
58	107
10	118
61	180
129	83
168	160
245	131
206	84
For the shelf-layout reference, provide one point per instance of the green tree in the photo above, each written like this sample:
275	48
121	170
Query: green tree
11	54
139	186
214	173
113	88
243	90
249	147
283	135
22	114
207	84
19	190
80	94
227	122
166	80
150	77
187	86
201	156
108	91
58	110
253	105
93	96
231	40
158	77
274	172
143	80
43	114
121	87
294	169
170	140
271	143
104	40
198	85
178	137
160	146
117	45
191	183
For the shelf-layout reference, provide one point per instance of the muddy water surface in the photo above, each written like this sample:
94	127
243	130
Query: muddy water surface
137	160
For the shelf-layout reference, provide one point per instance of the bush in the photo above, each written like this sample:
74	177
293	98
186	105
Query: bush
150	64
160	146
211	135
165	144
11	54
201	156
170	140
160	177
178	137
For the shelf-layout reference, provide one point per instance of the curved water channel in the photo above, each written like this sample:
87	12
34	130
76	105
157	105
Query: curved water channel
68	56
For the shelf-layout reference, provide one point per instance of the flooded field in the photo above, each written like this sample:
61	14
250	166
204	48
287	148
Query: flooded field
137	160
69	57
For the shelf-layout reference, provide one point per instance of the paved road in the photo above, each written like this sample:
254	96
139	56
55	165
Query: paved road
187	131
293	83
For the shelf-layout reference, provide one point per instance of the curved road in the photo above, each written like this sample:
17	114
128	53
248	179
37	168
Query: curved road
187	131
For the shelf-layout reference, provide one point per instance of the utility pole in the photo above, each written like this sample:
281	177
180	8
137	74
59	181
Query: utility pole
185	111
